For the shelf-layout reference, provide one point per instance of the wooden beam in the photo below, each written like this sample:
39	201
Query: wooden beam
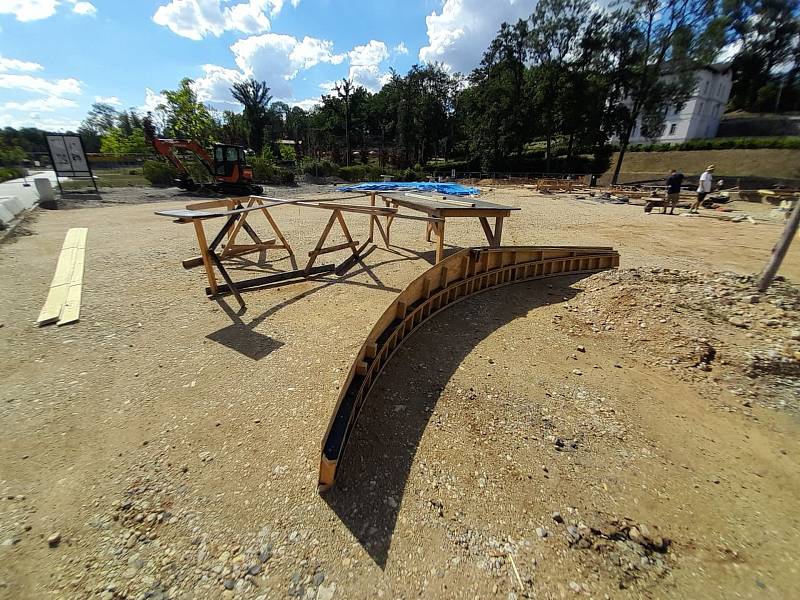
335	248
205	255
443	199
351	260
487	230
276	278
321	240
440	241
498	232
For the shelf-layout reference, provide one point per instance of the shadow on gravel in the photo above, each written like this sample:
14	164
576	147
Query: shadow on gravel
376	466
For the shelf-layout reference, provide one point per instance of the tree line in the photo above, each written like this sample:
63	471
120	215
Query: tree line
557	91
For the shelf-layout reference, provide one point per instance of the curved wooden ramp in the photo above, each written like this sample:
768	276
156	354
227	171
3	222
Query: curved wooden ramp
459	276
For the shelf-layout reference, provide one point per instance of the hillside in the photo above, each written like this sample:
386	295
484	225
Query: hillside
761	163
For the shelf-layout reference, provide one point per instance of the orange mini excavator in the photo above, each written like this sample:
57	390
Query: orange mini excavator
228	168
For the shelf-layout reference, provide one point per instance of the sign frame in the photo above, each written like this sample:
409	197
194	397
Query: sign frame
68	158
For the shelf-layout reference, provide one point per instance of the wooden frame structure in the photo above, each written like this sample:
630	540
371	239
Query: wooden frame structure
466	273
230	247
236	215
439	208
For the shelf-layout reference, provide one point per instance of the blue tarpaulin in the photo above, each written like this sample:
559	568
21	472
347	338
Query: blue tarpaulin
454	189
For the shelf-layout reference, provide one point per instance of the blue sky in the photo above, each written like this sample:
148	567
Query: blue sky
57	57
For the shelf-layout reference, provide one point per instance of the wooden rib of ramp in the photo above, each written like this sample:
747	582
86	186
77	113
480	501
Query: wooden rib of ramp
63	303
463	274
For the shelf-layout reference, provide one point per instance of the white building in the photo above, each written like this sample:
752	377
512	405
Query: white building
699	117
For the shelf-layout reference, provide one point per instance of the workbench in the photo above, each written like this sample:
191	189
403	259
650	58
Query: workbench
439	208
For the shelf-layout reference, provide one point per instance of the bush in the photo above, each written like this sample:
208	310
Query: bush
7	173
12	156
320	168
265	171
159	173
741	143
356	173
413	175
447	166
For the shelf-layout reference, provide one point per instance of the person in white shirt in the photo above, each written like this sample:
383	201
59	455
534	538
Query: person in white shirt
703	188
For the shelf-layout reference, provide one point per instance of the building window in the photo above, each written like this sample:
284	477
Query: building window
705	89
700	107
672	128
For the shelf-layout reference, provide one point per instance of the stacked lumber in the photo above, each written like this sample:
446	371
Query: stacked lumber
554	185
63	303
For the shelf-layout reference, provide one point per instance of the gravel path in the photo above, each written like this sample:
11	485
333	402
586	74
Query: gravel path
624	435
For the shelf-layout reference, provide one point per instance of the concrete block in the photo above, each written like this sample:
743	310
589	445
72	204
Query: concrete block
13	204
5	215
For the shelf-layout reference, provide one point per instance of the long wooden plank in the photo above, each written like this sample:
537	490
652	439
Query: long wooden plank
71	311
74	240
443	199
278	277
335	248
186	216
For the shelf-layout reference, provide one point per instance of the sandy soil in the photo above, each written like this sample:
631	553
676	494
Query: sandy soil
623	435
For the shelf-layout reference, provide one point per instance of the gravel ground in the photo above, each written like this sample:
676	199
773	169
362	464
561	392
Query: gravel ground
624	435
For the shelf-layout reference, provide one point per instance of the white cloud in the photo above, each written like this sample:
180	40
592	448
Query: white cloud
29	83
112	100
34	10
307	104
215	85
195	19
28	10
277	58
401	48
365	65
458	35
49	104
151	101
84	8
12	64
33	119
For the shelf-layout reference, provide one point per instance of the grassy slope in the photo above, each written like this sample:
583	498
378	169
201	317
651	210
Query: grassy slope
730	163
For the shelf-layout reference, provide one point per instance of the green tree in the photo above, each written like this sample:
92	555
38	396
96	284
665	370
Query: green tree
115	141
297	129
768	35
663	37
100	118
185	116
232	128
343	91
254	96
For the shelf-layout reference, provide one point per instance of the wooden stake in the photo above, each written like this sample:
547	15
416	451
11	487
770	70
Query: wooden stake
201	240
779	252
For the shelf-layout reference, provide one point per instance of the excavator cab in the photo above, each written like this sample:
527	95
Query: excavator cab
230	164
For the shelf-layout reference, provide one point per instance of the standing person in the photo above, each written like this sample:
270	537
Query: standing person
703	188
674	182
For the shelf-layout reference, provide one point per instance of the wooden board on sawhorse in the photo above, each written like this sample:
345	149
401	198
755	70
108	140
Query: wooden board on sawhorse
230	247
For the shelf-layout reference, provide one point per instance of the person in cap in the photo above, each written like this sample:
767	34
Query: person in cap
703	188
674	182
